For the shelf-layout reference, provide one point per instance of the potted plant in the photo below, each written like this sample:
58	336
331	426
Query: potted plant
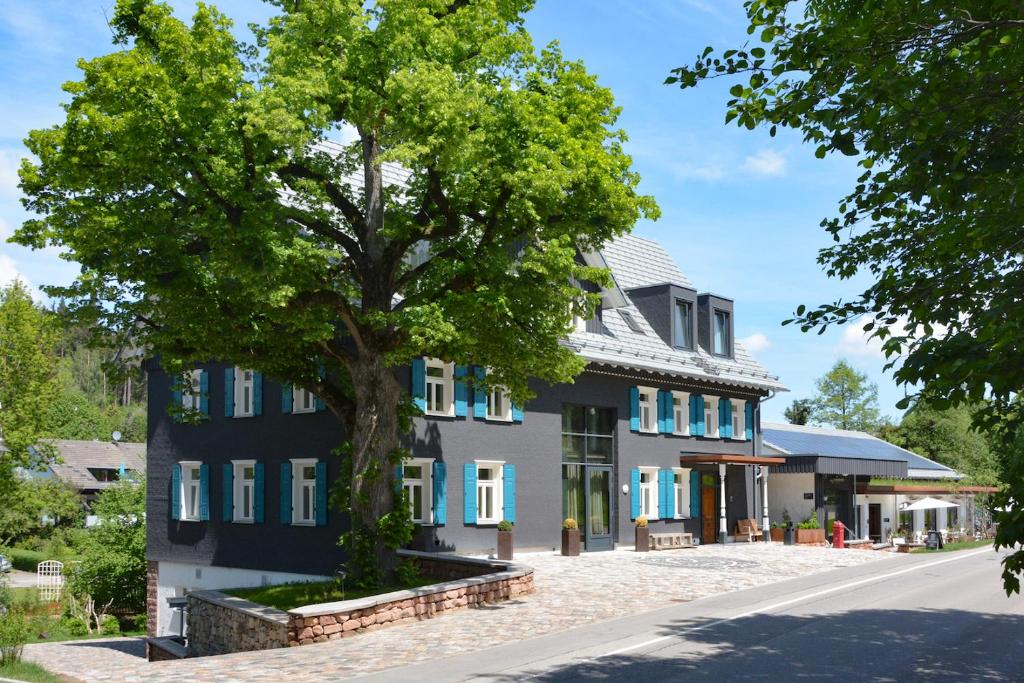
570	537
643	535
504	540
776	533
809	532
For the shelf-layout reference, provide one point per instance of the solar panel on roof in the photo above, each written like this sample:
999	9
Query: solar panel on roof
838	445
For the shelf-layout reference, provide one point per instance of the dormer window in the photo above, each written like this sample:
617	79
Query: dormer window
722	343
683	325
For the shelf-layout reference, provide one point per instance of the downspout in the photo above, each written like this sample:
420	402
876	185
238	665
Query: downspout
765	522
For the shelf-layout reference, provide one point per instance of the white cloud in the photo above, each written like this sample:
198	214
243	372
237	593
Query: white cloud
767	162
855	341
9	271
756	342
711	171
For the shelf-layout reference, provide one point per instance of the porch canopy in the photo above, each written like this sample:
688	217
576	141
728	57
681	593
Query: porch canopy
723	460
928	504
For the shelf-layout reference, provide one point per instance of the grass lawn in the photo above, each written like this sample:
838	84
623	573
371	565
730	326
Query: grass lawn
288	596
27	671
956	545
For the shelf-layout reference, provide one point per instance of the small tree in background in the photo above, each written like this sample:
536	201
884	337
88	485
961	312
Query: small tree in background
112	572
846	399
799	411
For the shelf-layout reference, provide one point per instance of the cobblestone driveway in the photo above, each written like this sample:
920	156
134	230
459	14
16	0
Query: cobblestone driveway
570	592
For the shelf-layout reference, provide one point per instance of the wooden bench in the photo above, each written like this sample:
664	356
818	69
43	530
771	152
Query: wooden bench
669	541
746	531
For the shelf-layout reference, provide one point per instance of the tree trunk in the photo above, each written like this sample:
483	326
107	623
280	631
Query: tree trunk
374	434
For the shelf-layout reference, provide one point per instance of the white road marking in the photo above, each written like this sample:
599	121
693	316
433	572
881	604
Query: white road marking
792	601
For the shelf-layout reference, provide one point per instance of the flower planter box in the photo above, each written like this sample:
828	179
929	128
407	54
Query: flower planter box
570	542
810	536
777	534
643	539
504	545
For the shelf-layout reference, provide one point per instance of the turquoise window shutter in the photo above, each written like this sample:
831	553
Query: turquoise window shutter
418	383
204	492
661	412
227	491
693	415
748	420
694	494
204	392
257	393
634	409
479	394
286	398
319	403
508	477
229	392
670	413
440	481
700	416
469	493
286	493
176	394
399	477
321	493
517	413
670	494
258	500
176	491
724	418
460	391
662	497
634	493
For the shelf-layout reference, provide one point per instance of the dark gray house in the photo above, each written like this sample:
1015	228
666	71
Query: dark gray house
664	422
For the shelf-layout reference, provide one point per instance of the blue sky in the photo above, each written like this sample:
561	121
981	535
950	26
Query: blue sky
740	210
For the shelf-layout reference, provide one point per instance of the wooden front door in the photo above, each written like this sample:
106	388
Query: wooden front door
708	515
875	522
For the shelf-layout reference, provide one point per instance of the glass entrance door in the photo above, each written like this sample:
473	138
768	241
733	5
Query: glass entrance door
599	504
588	452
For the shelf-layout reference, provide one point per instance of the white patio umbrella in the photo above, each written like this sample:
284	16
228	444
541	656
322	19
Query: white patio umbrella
928	504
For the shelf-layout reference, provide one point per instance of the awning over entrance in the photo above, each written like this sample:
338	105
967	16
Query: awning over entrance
726	459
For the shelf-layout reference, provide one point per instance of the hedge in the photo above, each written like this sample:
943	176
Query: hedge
27	560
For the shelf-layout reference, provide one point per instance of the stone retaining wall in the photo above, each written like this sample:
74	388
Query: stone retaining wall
219	624
482	582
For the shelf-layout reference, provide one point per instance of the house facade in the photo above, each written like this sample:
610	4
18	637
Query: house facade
865	482
664	422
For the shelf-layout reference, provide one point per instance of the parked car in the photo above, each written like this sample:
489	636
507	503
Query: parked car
5	565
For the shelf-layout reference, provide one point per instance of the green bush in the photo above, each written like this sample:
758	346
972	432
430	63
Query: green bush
73	627
15	631
809	523
26	560
139	621
110	626
504	525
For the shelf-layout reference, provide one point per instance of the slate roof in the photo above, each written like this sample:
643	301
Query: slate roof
806	440
638	262
78	456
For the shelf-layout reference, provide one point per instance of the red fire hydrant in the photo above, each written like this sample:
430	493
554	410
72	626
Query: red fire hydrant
838	534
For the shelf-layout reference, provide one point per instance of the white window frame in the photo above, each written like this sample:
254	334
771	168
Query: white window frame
681	414
425	481
506	414
240	483
187	484
711	430
649	492
241	384
739	421
498	489
190	399
299	483
649	400
681	491
303	401
447	384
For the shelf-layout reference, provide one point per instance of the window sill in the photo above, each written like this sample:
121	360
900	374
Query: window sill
427	413
239	416
303	523
648	431
497	419
190	519
243	521
303	412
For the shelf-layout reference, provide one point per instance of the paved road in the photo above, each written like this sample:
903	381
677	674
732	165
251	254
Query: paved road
940	617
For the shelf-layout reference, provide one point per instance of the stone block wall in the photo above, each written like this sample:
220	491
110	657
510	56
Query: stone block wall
319	623
219	624
152	604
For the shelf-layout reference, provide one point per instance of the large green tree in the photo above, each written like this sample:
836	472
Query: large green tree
846	399
948	436
259	204
28	376
928	96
